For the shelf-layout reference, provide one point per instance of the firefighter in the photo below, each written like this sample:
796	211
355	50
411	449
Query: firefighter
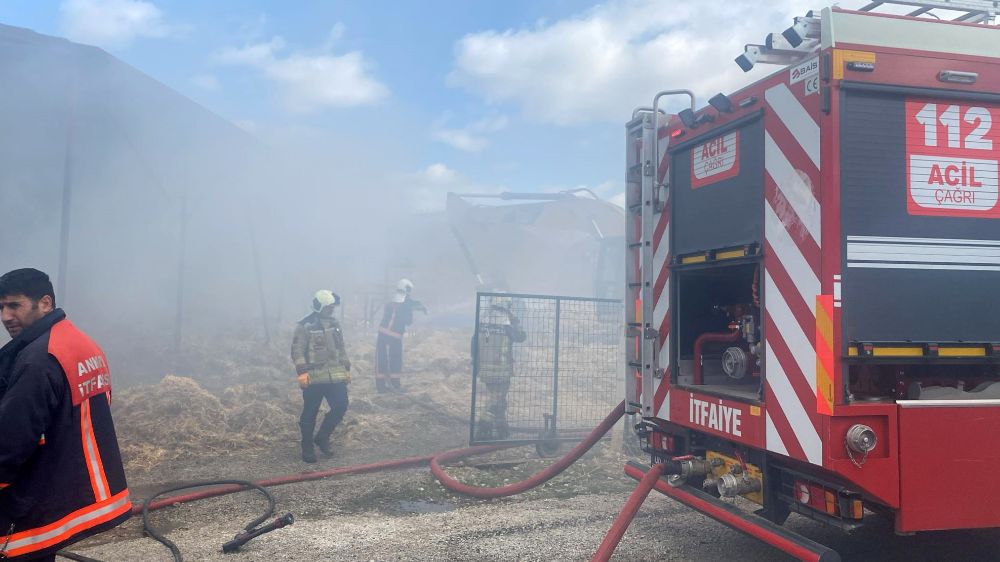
323	371
493	361
396	316
61	474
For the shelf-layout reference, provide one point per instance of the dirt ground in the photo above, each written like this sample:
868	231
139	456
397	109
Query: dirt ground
239	421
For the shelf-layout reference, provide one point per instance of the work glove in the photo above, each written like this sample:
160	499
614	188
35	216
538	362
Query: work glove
303	380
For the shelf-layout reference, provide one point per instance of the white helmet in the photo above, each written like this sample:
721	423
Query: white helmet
499	311
324	298
404	286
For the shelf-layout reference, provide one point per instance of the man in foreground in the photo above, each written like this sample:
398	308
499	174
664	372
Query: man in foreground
61	474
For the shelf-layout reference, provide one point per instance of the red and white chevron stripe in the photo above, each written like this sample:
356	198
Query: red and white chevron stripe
661	287
791	277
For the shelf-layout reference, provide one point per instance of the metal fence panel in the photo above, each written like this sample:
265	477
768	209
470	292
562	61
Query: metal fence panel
544	367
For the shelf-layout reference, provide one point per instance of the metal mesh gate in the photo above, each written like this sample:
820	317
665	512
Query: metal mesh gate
544	367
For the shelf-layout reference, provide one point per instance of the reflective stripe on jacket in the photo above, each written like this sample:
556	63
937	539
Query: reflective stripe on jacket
59	455
318	349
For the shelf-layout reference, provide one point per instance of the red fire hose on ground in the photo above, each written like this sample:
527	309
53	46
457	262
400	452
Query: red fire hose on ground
631	507
289	479
436	461
524	485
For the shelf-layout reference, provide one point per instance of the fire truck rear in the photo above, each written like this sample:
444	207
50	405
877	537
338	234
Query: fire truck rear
813	274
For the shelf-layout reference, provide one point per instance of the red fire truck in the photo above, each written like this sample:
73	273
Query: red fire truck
813	272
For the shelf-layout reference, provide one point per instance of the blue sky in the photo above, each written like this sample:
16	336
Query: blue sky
524	95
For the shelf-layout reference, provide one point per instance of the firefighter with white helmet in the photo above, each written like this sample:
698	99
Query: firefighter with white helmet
493	359
396	316
403	289
323	371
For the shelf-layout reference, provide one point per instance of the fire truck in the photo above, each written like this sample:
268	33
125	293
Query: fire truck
813	278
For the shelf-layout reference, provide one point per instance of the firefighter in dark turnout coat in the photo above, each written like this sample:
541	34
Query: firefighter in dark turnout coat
396	316
61	474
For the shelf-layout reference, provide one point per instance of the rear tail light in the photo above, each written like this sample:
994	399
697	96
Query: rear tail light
857	509
843	504
831	503
802	492
661	442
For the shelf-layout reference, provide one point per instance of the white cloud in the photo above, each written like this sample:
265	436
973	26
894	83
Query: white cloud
428	188
257	54
439	174
471	138
602	63
460	139
332	38
308	81
111	23
206	82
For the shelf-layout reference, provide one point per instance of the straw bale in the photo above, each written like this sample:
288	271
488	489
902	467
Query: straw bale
179	418
241	397
261	422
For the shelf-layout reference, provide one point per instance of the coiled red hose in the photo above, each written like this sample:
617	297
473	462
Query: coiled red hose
710	337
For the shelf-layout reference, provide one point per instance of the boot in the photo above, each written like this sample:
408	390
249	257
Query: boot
502	430
308	454
397	385
484	431
323	443
380	386
330	422
324	446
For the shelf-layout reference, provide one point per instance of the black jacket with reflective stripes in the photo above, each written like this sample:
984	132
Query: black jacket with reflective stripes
61	473
396	316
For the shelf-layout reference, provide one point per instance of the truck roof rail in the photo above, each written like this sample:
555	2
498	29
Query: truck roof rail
969	11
